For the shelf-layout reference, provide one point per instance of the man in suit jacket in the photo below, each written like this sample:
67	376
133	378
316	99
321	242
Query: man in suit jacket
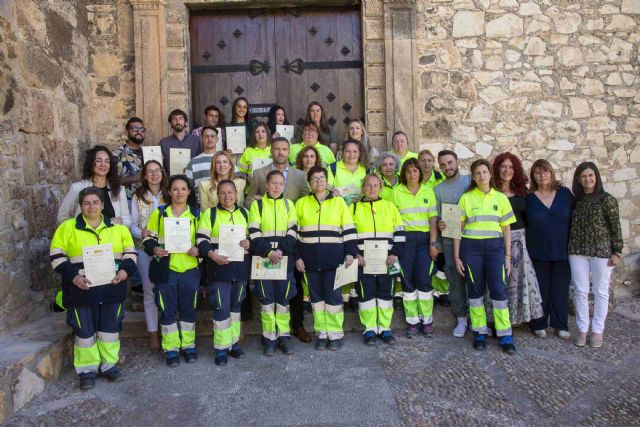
295	183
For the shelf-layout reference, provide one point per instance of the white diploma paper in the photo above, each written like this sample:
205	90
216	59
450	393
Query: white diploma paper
263	269
177	235
229	241
219	144
178	160
350	193
375	256
99	264
152	153
285	131
260	163
344	276
236	138
451	215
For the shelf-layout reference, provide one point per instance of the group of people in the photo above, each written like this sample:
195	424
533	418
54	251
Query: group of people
321	205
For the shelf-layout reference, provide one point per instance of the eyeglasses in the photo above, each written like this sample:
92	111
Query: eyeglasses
138	128
318	179
309	131
154	171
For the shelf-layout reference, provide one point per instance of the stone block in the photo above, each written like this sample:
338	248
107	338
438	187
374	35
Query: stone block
176	82
514	104
38	68
619	51
176	59
594	24
375	76
464	133
517	87
592	87
634	156
537	26
374	52
38	116
601	123
561	145
565	23
567	128
631	6
374	29
376	122
480	114
462	151
632	125
483	149
624	174
437	129
45	368
376	99
507	26
547	109
535	47
488	77
25	388
175	35
494	62
493	94
468	23
570	56
31	22
621	23
373	8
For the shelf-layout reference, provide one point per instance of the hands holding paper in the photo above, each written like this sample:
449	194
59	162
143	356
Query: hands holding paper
348	260
84	284
391	259
300	265
275	256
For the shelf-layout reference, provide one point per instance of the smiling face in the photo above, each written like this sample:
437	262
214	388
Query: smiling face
179	192
413	175
388	167
227	195
91	207
280	117
222	166
426	163
318	183
135	132
448	165
275	185
310	134
506	171
241	109
261	136
588	180
212	118
542	177
482	176
315	114
350	154
309	159
371	187
400	144
209	140
153	173
101	164
355	131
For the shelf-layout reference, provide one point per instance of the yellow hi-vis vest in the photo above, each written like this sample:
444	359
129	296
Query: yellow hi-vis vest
177	262
379	220
484	215
416	210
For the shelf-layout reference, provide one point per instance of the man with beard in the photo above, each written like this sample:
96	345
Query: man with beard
449	191
129	156
180	138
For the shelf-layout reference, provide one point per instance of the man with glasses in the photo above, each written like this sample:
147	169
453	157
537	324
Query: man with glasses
129	156
310	138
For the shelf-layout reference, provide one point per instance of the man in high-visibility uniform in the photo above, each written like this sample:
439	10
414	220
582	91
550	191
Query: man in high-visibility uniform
94	310
377	221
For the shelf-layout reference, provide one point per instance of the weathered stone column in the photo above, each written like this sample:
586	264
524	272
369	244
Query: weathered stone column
150	51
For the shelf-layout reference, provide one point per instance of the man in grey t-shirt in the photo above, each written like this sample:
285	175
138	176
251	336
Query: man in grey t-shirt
180	138
449	191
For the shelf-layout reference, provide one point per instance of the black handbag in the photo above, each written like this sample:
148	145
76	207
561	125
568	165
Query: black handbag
159	267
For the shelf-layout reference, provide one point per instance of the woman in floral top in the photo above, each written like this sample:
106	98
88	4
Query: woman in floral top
595	246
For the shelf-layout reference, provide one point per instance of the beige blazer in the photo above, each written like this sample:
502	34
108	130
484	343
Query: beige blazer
209	199
295	187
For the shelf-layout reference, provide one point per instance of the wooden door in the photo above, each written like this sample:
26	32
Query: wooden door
299	56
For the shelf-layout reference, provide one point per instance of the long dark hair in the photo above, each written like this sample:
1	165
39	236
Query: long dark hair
113	179
143	188
234	119
519	181
324	126
475	165
192	200
578	190
253	142
271	122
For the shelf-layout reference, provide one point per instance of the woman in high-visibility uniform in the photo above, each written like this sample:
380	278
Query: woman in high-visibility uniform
176	275
349	172
379	221
389	168
272	233
417	205
259	148
94	312
226	279
481	252
326	239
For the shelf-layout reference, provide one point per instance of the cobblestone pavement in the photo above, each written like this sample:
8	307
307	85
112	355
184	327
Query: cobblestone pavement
438	381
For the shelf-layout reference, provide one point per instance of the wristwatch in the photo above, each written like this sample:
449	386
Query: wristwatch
434	244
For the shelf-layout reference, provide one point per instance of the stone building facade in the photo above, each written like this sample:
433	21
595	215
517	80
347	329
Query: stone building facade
552	79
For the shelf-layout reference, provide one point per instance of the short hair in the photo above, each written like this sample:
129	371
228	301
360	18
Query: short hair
391	155
443	153
475	165
133	120
311	124
214	108
226	182
210	128
373	175
178	112
578	189
399	132
426	151
546	166
280	139
89	191
403	171
273	173
317	169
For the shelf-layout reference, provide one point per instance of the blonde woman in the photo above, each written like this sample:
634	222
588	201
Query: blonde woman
357	132
221	169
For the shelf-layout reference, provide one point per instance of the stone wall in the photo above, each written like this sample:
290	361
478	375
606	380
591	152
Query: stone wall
66	83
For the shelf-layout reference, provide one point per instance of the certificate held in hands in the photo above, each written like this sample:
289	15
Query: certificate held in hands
236	138
375	255
99	264
264	269
178	160
346	275
152	153
285	131
177	235
451	215
229	238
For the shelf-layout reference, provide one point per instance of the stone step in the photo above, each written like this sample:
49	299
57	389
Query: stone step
32	356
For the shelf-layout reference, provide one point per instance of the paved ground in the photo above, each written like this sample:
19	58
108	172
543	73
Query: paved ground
439	381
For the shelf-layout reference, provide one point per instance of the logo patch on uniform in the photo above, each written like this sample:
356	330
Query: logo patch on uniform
495	208
426	201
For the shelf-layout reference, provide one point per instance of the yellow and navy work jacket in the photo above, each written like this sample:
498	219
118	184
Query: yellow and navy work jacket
484	215
65	255
273	226
408	155
325	232
379	220
177	262
249	154
386	192
207	238
416	210
342	176
435	179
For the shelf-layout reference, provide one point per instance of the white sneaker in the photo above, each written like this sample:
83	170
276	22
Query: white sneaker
540	333
565	335
460	328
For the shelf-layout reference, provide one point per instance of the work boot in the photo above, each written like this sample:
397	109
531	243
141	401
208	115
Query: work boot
87	383
444	300
479	341
460	328
114	374
412	331
427	330
335	345
221	358
172	359
302	334
370	338
270	349
283	343
506	343
387	338
321	344
190	355
236	352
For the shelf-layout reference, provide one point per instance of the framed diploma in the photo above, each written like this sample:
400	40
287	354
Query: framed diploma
177	235
236	138
451	215
178	160
99	264
285	131
375	256
347	275
152	153
264	269
229	238
260	163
